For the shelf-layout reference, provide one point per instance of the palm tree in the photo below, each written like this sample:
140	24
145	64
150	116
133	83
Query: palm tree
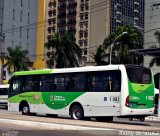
100	56
133	39
16	59
156	60
66	53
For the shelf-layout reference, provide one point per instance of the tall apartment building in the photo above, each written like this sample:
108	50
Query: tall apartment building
1	25
92	20
23	24
152	23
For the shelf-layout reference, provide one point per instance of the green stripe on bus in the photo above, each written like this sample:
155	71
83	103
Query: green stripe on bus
33	72
53	100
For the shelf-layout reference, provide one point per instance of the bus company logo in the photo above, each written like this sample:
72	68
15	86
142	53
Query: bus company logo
51	98
35	97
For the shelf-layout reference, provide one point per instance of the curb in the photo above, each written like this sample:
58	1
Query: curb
52	126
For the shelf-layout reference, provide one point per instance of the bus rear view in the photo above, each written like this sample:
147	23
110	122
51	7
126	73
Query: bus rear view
4	95
139	100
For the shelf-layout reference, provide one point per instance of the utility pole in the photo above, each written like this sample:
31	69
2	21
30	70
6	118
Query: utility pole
2	55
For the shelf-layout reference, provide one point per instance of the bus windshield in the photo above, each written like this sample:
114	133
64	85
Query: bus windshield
139	75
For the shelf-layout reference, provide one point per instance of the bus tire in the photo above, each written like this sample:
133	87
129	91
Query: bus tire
25	109
77	112
142	119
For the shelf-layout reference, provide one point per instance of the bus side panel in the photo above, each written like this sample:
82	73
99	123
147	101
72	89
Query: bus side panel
13	107
100	103
124	90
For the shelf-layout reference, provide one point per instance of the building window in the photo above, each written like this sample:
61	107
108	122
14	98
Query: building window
20	35
86	16
81	25
81	34
21	3
12	30
1	28
28	33
21	16
1	12
86	7
81	16
85	42
27	45
28	17
82	8
12	43
28	3
13	14
85	52
80	42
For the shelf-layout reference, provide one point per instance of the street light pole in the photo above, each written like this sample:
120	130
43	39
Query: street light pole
113	45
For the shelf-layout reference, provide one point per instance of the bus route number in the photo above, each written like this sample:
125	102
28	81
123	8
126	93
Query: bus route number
149	98
114	99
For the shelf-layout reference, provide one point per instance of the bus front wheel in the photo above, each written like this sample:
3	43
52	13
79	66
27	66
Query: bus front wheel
25	110
77	112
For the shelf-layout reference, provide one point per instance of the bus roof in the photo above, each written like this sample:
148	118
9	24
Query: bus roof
68	70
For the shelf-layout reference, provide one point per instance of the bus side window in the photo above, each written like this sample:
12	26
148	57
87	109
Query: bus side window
61	82
46	83
78	82
97	82
28	84
114	81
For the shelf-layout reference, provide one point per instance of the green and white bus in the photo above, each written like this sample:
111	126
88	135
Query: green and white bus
94	91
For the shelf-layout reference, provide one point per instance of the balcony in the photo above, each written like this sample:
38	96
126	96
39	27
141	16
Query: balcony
136	3
52	13
136	10
52	4
118	12
118	21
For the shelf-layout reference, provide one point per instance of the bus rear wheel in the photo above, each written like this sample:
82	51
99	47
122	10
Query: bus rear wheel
25	110
77	112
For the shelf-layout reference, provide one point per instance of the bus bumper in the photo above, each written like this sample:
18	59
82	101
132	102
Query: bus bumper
129	111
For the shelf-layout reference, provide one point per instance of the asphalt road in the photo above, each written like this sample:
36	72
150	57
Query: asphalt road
116	120
20	130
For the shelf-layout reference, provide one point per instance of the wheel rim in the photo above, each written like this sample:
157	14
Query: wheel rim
25	110
76	114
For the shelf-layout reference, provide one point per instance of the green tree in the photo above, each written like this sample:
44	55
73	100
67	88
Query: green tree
65	53
156	60
16	59
133	39
100	56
